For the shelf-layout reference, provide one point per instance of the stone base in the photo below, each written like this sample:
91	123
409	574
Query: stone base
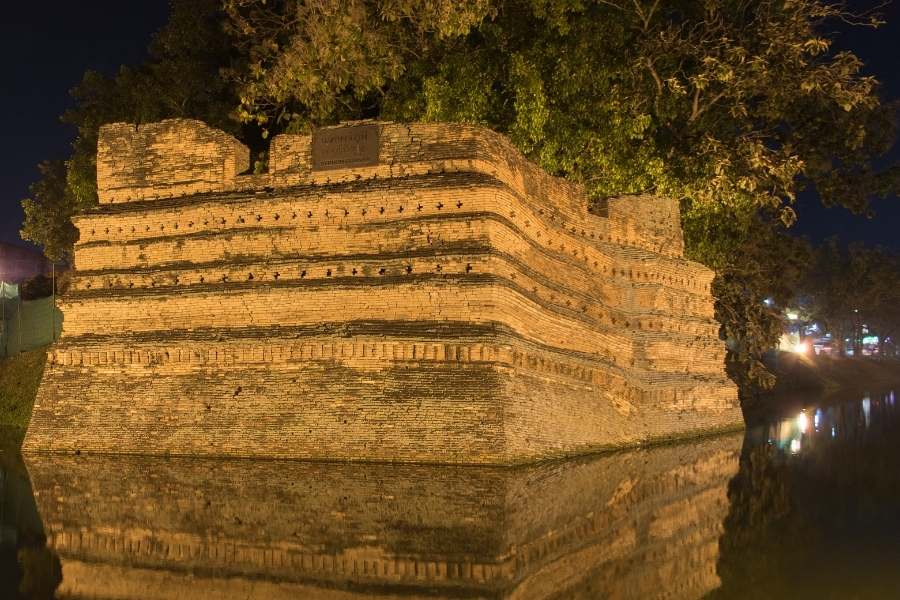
482	398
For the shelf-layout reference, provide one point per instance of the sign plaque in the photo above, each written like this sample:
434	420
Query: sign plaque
345	147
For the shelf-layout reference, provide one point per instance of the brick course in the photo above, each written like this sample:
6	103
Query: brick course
452	303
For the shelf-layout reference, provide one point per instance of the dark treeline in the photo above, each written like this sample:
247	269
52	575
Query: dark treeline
852	291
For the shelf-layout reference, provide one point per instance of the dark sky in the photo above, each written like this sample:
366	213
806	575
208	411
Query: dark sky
45	49
880	51
46	46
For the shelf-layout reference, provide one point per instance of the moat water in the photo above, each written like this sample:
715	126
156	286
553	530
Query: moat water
806	505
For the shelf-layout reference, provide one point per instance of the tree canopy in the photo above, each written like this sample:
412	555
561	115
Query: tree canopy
731	106
848	288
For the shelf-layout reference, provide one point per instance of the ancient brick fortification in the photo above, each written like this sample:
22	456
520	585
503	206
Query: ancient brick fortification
642	524
403	292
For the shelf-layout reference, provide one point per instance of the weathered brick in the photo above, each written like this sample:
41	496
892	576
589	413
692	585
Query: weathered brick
452	303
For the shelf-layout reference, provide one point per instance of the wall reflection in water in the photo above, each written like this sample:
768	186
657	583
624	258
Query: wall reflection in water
637	524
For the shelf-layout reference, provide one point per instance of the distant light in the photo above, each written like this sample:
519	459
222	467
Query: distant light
817	418
795	446
802	422
867	410
833	431
801	348
793	316
767	302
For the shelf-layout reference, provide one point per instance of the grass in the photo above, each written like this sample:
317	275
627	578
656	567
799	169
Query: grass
19	379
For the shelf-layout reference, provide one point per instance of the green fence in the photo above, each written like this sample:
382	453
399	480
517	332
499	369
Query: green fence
26	324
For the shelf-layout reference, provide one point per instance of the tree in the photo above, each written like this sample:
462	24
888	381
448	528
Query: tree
876	300
731	106
765	270
854	286
882	311
49	211
180	79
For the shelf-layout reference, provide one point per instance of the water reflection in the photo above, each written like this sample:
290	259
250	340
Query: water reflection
26	565
802	507
637	524
815	508
833	423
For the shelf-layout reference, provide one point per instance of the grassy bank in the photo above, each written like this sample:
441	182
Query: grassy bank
19	379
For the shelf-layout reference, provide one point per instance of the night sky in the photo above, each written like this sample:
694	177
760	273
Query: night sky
47	46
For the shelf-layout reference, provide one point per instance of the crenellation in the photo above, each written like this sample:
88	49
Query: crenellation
447	302
171	158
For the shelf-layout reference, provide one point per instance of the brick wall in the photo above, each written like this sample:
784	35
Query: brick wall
451	303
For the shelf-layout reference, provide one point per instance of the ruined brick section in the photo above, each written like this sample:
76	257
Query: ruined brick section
642	524
452	303
138	162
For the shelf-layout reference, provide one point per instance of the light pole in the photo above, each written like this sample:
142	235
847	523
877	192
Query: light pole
53	300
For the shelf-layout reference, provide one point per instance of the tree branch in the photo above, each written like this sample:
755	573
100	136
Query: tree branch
698	110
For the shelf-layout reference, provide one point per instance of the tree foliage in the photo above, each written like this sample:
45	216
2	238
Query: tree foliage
728	104
731	106
852	286
49	211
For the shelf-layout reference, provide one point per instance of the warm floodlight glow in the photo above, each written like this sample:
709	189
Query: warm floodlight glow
802	422
795	446
801	348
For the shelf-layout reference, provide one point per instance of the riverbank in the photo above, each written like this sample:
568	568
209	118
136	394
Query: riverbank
801	377
20	376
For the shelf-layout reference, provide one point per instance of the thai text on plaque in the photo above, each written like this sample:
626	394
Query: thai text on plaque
343	147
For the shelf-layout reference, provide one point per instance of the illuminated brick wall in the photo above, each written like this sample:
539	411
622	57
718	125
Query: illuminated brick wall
450	303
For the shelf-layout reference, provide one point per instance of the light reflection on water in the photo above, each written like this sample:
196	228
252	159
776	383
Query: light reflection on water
806	506
832	423
637	524
815	508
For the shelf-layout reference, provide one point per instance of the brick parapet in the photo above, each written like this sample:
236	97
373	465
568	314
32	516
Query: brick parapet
176	157
180	157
